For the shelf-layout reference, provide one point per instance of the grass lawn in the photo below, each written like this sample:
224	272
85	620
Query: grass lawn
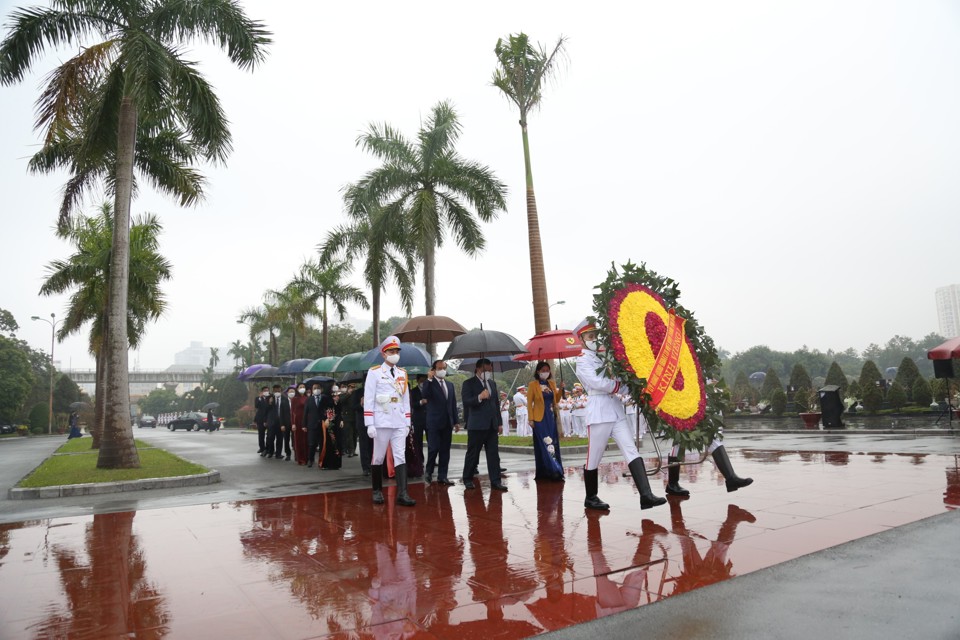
81	468
524	441
82	445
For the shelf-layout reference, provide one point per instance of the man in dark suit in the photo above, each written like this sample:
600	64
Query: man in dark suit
482	406
441	420
260	418
274	418
314	413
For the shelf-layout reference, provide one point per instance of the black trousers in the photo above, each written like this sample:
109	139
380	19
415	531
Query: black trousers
262	436
438	446
366	448
273	440
284	438
349	443
482	439
314	442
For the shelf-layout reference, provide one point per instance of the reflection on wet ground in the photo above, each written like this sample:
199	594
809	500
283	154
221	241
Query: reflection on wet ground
460	564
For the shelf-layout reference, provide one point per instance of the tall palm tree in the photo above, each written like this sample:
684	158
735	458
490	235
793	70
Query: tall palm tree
238	354
262	319
293	306
386	256
139	70
521	71
325	284
431	188
87	273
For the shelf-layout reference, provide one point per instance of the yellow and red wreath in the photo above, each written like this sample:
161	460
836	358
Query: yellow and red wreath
663	355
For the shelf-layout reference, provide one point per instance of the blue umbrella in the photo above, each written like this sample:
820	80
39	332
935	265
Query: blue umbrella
293	367
412	357
252	370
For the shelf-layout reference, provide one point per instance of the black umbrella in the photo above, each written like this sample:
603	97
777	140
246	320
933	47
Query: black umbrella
317	380
500	363
267	373
353	377
210	405
483	343
77	406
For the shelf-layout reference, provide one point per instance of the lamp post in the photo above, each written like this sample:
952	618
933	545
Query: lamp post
53	328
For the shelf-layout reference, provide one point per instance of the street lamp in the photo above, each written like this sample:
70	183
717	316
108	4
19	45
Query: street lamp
53	328
558	302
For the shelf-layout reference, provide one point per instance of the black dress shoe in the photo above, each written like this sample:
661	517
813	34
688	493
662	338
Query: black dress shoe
288	457
427	479
278	456
366	474
498	487
468	484
446	482
310	463
502	470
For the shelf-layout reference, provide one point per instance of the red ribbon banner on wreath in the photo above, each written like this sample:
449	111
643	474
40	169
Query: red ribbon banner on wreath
667	364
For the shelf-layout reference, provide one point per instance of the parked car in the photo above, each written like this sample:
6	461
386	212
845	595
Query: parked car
194	421
7	428
147	421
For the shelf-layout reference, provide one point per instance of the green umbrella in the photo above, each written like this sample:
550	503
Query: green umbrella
352	362
322	365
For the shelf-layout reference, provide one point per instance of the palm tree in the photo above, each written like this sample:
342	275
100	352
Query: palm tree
238	354
138	70
387	256
87	273
522	68
430	188
293	306
324	283
263	319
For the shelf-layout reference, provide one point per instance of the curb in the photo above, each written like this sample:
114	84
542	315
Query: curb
97	488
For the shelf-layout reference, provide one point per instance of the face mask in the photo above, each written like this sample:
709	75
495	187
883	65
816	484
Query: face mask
441	373
316	392
264	394
590	344
544	375
290	394
488	375
393	358
301	390
276	394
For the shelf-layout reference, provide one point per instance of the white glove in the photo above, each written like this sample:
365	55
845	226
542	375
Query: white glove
372	431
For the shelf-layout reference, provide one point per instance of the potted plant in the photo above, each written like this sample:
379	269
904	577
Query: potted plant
809	409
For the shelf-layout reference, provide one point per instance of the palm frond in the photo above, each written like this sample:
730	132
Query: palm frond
69	85
203	117
31	30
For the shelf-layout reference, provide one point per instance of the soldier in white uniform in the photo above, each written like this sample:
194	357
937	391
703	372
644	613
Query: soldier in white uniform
606	417
386	414
566	416
505	412
579	411
520	411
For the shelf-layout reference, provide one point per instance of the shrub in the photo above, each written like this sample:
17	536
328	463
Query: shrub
922	394
778	402
770	384
836	376
896	396
855	390
801	398
799	378
869	376
872	398
39	418
907	374
938	387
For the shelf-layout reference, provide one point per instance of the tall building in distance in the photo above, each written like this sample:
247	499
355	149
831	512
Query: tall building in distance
948	310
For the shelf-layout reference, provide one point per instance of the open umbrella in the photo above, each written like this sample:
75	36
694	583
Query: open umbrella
78	406
291	368
317	380
352	362
429	329
500	363
483	343
353	376
267	373
551	345
322	365
210	405
411	358
946	351
252	370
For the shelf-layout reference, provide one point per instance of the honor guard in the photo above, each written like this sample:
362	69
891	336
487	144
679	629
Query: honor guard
520	411
386	415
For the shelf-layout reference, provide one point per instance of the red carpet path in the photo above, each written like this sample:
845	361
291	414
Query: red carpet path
461	564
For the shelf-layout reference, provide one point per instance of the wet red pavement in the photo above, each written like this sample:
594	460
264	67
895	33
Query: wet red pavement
461	564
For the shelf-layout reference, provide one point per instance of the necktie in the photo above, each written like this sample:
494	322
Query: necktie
316	400
443	385
392	373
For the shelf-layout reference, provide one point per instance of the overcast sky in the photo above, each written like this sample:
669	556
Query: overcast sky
794	165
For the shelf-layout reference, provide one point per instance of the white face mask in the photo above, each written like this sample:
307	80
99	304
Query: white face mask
393	358
544	375
316	392
290	394
276	394
488	375
441	373
590	344
265	394
302	390
336	389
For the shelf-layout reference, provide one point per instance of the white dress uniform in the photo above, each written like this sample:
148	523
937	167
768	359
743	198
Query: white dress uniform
505	415
580	415
386	406
566	417
605	414
520	403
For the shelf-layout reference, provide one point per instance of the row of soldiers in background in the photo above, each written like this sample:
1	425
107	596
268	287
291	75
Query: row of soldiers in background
572	410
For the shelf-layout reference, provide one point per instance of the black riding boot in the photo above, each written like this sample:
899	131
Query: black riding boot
734	482
673	479
403	499
591	480
376	472
639	473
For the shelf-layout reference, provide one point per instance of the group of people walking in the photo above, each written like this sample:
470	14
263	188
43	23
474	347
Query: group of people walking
388	419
